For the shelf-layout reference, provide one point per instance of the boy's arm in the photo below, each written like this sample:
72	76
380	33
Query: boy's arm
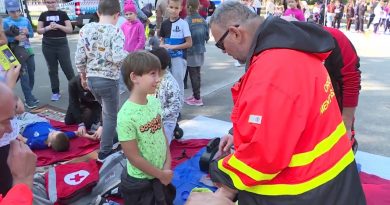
130	148
168	160
187	36
141	37
186	44
175	100
81	57
30	29
118	53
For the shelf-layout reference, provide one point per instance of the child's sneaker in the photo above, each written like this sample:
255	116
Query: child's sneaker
55	97
195	102
31	105
189	98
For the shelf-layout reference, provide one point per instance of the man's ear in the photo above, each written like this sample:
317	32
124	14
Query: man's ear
236	34
49	144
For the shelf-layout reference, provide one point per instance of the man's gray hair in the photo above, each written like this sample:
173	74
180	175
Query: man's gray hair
231	13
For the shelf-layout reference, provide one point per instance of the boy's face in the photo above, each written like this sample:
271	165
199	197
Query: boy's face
174	8
147	83
51	5
14	14
52	136
130	16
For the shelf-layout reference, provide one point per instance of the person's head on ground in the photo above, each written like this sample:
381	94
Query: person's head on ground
192	6
51	5
174	9
141	72
164	57
233	26
58	141
13	8
130	11
109	9
8	108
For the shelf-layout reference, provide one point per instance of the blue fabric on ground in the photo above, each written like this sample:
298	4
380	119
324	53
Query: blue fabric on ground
374	164
186	177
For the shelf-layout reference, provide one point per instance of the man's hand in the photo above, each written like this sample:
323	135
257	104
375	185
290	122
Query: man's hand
200	198
12	75
21	161
225	145
166	177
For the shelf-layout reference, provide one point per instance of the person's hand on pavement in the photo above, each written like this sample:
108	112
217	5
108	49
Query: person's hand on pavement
22	162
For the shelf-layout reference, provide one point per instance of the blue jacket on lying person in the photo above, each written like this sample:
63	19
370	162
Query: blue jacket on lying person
38	133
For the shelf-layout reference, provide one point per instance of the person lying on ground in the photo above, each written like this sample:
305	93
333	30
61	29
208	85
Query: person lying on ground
38	133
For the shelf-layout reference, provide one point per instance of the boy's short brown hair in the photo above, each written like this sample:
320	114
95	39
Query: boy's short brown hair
60	142
139	63
164	57
109	7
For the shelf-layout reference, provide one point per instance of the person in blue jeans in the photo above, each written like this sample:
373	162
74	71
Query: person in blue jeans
98	58
18	30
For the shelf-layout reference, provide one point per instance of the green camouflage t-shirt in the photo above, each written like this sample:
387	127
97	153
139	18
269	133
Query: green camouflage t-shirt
143	123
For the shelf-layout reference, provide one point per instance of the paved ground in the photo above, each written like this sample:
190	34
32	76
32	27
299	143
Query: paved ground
373	114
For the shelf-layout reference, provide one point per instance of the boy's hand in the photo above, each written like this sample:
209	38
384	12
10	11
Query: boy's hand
81	131
97	135
167	46
21	37
53	25
166	177
24	31
84	84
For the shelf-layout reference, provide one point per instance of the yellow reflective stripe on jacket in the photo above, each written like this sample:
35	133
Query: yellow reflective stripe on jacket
291	189
322	147
249	171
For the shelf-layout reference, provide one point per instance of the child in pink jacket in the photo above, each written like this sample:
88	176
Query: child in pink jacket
133	29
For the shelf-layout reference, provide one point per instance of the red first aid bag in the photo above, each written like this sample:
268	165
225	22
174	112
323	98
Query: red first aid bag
68	182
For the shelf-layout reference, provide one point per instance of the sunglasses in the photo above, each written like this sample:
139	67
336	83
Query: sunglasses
220	43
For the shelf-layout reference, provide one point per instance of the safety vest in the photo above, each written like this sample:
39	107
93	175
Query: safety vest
289	137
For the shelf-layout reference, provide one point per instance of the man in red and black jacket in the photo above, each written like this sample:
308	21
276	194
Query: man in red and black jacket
290	142
343	68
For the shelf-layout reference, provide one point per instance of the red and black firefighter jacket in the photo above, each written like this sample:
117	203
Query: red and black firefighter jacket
289	137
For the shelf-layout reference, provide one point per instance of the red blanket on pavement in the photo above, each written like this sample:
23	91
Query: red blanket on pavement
376	189
183	150
79	146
